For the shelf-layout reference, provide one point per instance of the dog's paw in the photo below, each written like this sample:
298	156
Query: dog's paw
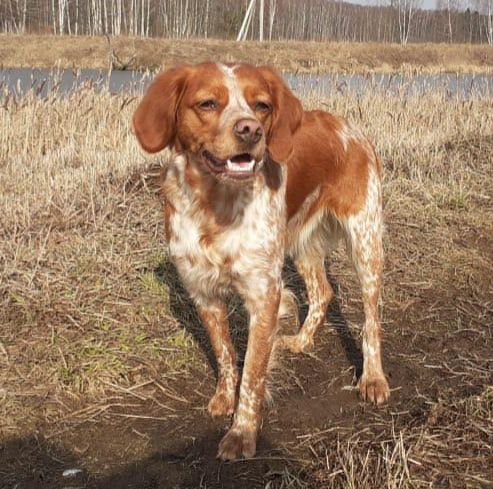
236	444
295	343
374	388
222	403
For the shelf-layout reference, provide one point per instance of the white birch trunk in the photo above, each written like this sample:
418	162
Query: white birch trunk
489	22
206	21
53	15
246	22
272	14
261	21
76	17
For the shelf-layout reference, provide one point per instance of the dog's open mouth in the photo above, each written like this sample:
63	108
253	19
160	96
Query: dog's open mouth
239	166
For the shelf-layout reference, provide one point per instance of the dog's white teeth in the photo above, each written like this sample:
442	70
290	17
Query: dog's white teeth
240	167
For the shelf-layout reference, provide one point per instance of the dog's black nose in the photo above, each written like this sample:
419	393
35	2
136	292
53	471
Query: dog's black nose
248	130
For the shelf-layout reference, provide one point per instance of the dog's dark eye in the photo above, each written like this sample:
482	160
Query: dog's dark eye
262	106
208	104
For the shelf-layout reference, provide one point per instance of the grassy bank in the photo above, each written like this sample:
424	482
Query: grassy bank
104	365
306	57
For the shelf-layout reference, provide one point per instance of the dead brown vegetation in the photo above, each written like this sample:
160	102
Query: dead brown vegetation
304	57
104	365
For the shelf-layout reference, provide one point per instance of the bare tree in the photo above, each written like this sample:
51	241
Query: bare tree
272	14
487	9
261	21
246	21
449	8
399	21
406	10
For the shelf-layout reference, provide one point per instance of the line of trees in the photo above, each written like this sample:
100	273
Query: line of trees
398	21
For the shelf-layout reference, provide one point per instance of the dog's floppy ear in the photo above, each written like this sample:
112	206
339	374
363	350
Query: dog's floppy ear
154	120
286	116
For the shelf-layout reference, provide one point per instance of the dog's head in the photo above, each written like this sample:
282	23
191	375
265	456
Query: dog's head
224	118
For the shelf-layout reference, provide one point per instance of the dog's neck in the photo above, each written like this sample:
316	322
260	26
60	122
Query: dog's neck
220	200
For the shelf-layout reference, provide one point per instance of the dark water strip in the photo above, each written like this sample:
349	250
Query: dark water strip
20	81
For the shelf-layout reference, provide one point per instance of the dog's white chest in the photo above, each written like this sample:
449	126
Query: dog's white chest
214	259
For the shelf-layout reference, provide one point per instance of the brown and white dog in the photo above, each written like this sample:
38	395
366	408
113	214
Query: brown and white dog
253	176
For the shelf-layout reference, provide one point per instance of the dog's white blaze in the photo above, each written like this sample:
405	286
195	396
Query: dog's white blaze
237	106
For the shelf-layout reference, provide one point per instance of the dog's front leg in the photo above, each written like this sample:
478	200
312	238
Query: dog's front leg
241	438
214	316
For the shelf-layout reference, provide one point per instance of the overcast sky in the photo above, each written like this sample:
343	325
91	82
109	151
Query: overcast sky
426	4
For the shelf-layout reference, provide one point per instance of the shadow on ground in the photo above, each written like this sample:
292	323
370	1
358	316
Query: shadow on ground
335	318
184	311
38	463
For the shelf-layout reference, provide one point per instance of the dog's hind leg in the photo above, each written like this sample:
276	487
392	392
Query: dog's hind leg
312	269
364	239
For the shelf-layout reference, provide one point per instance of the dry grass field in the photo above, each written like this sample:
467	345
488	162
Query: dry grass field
46	51
104	366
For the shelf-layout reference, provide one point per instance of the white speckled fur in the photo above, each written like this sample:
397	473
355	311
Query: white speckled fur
202	267
309	241
348	132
